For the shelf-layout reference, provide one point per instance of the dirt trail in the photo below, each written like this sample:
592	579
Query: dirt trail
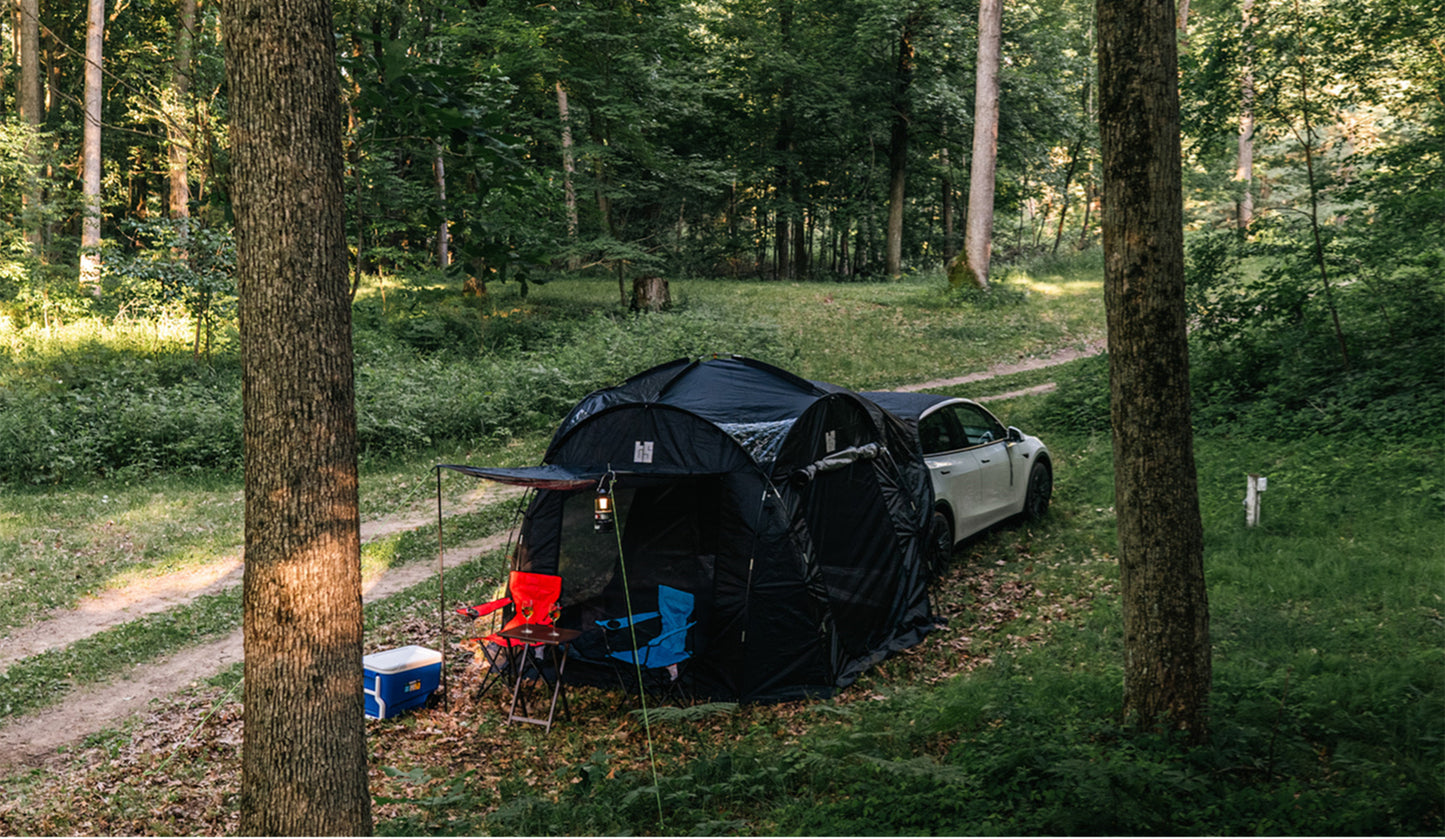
60	628
36	739
1063	356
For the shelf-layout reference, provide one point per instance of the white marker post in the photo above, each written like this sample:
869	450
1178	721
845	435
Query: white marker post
1256	485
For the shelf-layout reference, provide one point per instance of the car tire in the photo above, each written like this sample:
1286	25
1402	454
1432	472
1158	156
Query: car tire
1040	491
940	543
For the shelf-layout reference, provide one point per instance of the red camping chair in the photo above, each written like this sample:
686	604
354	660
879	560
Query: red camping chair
526	592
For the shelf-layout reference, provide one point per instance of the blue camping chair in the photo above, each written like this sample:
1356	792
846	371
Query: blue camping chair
667	649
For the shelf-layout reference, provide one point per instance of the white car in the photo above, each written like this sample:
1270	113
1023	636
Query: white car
983	473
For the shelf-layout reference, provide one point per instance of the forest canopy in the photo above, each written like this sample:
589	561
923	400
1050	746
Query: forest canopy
508	142
505	140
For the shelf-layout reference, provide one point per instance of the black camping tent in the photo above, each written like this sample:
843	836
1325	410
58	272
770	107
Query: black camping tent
795	512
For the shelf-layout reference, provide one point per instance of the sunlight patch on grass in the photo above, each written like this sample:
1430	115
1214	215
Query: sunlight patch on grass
164	333
1056	286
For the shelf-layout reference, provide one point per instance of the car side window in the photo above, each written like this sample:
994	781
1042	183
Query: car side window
940	432
979	426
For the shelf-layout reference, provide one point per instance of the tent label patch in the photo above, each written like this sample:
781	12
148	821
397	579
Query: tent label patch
830	441
642	451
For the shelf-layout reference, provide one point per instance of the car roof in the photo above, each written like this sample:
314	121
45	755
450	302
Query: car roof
908	406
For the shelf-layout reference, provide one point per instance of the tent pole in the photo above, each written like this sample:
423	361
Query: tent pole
610	480
442	595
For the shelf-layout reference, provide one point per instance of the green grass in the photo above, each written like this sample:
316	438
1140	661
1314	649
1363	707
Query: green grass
44	679
57	546
877	336
1328	707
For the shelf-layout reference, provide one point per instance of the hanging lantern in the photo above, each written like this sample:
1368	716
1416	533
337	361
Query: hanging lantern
602	512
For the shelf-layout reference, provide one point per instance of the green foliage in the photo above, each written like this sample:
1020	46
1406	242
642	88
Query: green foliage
407	400
73	408
183	263
1267	356
1080	404
998	295
70	417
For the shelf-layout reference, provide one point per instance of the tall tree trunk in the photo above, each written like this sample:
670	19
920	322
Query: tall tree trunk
569	171
978	227
178	143
1064	194
444	229
1308	141
1244	170
947	206
90	149
30	111
304	758
1090	196
799	235
898	151
1167	666
784	147
1086	95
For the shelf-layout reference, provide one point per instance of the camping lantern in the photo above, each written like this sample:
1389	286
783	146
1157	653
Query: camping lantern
602	512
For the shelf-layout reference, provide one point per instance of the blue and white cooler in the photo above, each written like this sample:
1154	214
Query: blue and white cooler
400	679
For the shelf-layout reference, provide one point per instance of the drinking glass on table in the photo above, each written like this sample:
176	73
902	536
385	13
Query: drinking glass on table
527	610
554	613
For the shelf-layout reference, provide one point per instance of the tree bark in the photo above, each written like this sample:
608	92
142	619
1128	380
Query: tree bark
178	142
90	149
1167	666
650	294
946	189
978	227
569	171
444	229
898	152
784	148
30	111
1244	170
304	758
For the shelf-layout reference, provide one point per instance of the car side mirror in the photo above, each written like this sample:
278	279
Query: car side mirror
1014	435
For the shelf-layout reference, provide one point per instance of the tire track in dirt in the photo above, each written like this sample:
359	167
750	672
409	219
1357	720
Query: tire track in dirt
1063	356
59	628
36	739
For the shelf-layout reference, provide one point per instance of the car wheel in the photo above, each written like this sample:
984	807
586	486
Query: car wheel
1041	489
940	543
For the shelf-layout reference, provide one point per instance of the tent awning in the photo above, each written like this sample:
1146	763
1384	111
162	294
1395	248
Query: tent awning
548	476
568	478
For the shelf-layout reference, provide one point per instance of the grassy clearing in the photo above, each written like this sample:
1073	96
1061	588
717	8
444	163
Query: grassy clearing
436	369
1329	700
496	404
1329	706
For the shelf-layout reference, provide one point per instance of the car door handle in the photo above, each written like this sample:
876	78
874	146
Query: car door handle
944	471
983	460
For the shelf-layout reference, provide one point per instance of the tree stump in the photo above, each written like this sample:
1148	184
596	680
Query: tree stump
650	294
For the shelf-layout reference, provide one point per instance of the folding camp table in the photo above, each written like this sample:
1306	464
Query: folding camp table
548	640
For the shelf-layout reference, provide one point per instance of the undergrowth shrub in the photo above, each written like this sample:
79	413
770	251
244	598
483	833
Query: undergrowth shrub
1276	354
1080	404
126	418
95	408
407	401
